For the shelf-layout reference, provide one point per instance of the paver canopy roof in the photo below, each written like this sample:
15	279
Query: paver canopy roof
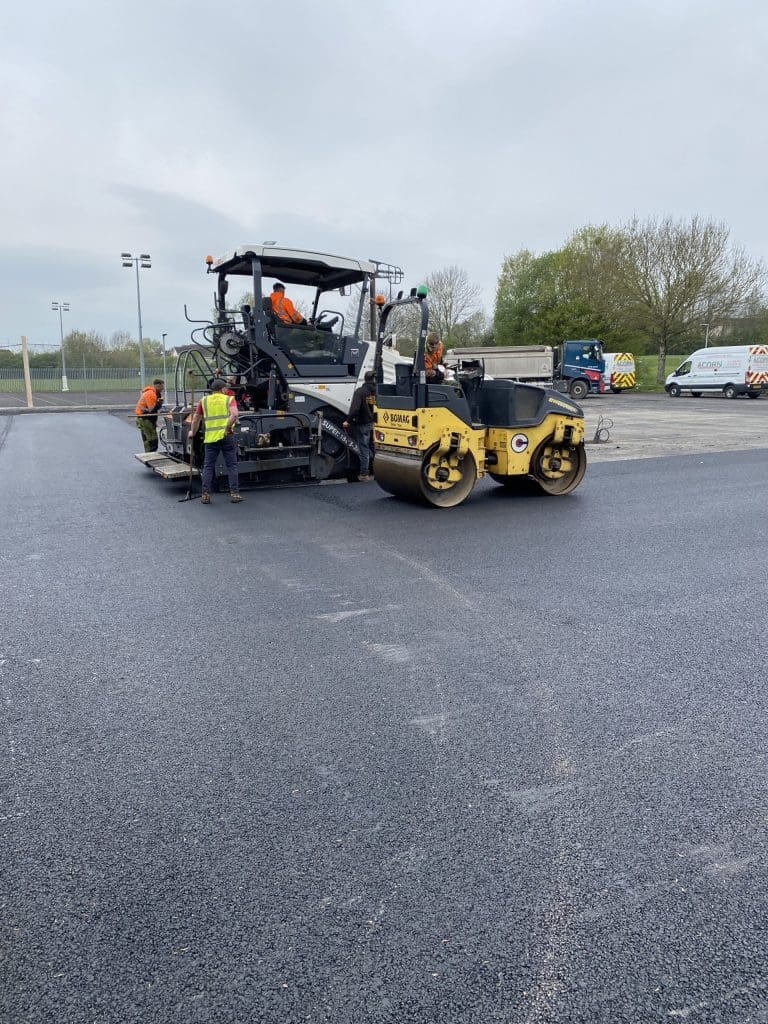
296	266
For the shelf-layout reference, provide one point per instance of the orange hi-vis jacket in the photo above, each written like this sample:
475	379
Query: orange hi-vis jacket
284	309
149	402
433	359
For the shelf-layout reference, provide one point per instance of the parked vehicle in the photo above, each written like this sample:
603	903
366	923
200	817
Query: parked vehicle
619	372
573	366
734	370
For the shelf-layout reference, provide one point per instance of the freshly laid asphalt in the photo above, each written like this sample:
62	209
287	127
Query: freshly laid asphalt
325	756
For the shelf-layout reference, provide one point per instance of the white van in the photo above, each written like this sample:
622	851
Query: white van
619	372
736	370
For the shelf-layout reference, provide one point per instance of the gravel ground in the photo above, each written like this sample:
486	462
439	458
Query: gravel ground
325	756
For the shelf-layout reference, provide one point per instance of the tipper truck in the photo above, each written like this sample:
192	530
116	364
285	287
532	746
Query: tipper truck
573	366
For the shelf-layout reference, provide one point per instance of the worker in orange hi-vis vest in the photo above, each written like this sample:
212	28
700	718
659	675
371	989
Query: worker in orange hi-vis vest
433	358
149	404
283	308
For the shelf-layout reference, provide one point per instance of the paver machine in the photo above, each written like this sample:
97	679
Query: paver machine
433	441
294	383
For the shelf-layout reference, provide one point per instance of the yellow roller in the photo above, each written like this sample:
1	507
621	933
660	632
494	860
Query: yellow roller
434	437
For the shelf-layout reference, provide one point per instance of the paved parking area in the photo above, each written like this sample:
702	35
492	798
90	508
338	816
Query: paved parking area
11	401
326	756
639	426
644	426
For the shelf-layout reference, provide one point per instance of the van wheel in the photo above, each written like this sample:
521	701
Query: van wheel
578	390
696	394
674	390
753	394
730	391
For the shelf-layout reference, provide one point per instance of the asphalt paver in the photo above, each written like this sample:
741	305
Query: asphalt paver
327	756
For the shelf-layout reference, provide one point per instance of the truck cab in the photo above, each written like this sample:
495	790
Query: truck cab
580	364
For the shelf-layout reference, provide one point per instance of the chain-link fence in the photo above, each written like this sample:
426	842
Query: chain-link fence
85	386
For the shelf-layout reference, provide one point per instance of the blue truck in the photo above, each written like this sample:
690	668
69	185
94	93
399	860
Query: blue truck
576	365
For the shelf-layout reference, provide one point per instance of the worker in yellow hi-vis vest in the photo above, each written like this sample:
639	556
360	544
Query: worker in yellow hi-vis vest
218	411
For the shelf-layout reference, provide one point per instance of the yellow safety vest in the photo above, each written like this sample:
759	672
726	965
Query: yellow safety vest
216	414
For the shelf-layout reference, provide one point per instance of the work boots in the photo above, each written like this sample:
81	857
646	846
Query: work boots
235	496
205	498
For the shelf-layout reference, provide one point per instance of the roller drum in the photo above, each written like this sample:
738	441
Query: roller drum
406	476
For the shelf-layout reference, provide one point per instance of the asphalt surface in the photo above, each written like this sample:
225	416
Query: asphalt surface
47	401
325	756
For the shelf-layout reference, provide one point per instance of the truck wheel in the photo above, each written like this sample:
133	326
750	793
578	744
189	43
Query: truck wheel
617	391
729	391
753	394
674	390
578	390
696	394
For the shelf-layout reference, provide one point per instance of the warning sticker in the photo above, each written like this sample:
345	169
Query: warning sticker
519	443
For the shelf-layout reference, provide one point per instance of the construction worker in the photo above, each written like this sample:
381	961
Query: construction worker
149	404
219	413
283	308
433	357
360	419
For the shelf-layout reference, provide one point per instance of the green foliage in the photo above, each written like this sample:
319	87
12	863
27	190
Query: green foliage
646	366
645	287
541	300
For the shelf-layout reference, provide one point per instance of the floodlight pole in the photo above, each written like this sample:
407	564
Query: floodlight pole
144	260
65	307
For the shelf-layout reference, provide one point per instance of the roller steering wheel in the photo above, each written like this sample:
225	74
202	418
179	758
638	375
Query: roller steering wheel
326	323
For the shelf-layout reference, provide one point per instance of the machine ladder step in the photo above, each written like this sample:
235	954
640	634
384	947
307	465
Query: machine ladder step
167	468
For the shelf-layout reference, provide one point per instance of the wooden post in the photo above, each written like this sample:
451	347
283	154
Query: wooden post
27	378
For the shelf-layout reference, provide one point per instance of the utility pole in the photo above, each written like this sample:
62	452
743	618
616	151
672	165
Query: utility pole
62	306
165	372
145	262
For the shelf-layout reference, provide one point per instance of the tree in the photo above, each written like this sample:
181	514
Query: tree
541	300
83	348
474	331
453	300
673	276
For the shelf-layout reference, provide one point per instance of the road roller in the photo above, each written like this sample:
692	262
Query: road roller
434	440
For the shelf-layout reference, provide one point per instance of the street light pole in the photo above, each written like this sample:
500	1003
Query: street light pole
165	372
59	306
145	262
706	335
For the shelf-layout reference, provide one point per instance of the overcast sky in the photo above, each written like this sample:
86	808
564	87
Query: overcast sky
419	133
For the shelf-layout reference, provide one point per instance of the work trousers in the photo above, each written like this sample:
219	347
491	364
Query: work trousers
148	430
227	447
362	435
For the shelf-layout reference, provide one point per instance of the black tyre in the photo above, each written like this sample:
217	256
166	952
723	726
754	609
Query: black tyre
578	389
729	391
696	394
617	391
753	394
673	390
